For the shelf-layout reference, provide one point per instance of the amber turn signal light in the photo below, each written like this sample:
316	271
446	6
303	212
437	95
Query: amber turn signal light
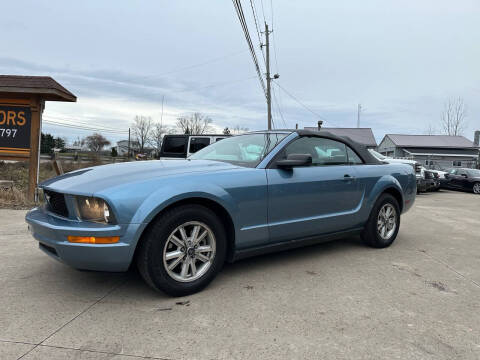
94	239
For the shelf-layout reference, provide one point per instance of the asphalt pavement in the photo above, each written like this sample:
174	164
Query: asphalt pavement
418	299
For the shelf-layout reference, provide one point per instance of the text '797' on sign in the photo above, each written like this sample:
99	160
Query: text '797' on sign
15	126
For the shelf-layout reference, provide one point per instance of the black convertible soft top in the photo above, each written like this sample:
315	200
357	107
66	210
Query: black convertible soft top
360	149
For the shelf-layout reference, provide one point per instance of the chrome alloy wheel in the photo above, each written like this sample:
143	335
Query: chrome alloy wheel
189	251
476	188
387	221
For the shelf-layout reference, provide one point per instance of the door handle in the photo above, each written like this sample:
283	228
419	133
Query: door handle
348	177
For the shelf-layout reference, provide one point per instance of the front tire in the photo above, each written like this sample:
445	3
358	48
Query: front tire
183	250
383	224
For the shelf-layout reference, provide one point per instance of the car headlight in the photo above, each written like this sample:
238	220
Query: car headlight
94	209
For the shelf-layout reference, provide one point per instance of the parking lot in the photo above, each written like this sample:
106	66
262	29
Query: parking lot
418	299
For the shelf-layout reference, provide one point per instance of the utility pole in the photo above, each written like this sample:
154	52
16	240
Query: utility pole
161	116
269	79
128	144
359	110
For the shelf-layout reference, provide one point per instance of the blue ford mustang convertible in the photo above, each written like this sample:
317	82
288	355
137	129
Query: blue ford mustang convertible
178	221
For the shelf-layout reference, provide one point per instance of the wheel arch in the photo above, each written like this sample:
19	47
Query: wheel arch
388	185
396	194
214	206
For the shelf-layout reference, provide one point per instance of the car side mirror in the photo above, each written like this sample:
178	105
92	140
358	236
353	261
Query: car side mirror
295	160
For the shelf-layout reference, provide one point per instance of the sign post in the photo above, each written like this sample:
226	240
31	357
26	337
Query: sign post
22	100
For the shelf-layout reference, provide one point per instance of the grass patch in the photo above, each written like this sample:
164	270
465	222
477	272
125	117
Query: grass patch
18	173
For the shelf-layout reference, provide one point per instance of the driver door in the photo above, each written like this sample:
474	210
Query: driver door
461	180
313	200
456	179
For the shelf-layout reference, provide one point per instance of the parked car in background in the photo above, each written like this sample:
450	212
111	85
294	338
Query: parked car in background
180	220
440	172
431	179
463	179
420	177
139	157
182	146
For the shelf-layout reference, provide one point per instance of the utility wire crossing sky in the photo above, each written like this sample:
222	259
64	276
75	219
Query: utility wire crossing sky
401	60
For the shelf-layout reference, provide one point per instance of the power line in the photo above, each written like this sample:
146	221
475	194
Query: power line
274	42
263	11
214	85
301	103
213	60
73	126
276	95
254	11
82	127
278	108
68	120
241	17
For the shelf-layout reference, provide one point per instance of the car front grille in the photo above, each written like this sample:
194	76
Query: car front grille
56	203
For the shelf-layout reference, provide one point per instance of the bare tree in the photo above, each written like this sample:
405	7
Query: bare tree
156	136
79	142
453	116
96	142
430	130
239	130
194	124
142	127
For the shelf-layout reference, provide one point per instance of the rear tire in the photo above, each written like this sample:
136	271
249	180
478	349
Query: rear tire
476	188
383	224
170	246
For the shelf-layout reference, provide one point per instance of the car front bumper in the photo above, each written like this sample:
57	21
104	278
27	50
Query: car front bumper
51	232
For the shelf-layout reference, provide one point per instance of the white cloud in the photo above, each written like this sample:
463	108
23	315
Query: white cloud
400	59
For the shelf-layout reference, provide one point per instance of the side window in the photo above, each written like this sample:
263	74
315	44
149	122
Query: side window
198	143
353	158
323	151
174	144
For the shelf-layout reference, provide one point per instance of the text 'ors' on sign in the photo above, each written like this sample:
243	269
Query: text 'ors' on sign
15	127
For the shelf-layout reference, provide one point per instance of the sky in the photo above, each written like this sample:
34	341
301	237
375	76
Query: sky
401	60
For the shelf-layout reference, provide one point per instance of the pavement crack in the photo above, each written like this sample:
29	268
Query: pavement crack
448	267
103	352
76	316
439	286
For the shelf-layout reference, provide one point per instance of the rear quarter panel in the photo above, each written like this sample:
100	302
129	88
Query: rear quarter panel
376	179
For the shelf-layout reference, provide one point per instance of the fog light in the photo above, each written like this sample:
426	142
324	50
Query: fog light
94	239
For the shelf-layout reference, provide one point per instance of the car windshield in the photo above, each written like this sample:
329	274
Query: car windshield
473	173
377	154
245	150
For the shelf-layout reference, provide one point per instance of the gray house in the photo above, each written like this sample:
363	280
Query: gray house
122	147
361	135
433	151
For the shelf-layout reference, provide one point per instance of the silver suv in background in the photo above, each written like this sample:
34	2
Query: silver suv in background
419	172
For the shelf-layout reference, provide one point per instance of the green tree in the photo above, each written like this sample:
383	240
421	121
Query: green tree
60	143
47	143
114	152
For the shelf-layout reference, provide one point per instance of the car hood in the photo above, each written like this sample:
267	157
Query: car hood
95	179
